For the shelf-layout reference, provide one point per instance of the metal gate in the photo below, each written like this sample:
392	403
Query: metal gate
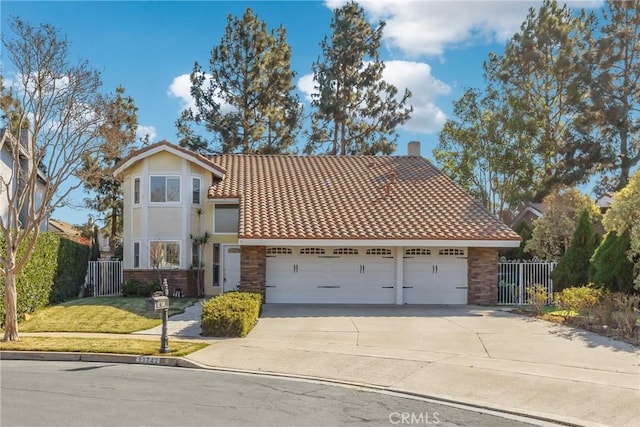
516	277
105	277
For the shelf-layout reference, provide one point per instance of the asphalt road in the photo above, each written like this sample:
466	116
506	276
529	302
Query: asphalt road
35	393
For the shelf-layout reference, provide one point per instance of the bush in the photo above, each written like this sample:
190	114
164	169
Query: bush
537	297
624	315
582	300
71	270
136	288
573	267
232	314
610	265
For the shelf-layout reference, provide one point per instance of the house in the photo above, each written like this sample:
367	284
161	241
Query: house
9	167
529	213
309	229
66	230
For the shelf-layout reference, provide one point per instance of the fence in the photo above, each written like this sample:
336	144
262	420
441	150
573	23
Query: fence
516	277
105	277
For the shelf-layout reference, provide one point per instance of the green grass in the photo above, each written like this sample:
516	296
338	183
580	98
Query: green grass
102	345
115	315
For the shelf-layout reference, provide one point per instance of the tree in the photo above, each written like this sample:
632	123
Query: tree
485	153
573	267
552	232
118	132
64	109
247	100
623	217
540	72
610	267
613	87
525	231
356	110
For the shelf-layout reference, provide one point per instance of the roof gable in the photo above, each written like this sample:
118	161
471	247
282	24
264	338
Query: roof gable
165	146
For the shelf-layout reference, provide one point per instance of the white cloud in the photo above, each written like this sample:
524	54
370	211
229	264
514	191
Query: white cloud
431	27
181	88
427	117
143	131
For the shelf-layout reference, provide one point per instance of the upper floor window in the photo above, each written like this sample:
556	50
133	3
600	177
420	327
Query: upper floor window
136	190
165	189
227	218
195	196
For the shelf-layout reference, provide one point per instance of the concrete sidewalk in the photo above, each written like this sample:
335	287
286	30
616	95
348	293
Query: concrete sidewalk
473	355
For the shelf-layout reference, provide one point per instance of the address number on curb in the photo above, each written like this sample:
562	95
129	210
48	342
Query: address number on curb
148	360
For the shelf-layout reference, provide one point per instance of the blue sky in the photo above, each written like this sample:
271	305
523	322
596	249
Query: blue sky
434	48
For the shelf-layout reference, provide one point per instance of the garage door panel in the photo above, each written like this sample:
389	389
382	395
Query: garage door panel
436	279
330	279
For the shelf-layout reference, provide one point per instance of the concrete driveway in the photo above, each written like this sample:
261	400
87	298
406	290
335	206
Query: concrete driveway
476	355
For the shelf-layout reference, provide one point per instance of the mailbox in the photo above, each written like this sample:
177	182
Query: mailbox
157	302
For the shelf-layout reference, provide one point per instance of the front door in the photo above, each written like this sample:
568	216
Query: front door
231	272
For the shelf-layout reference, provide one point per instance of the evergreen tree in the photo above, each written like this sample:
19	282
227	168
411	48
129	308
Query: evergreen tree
610	266
612	82
355	110
246	101
541	73
525	231
573	267
118	132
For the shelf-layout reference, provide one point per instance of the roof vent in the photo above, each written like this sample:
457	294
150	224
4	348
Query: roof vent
413	149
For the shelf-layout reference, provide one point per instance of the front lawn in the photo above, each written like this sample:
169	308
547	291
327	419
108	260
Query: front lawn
117	315
102	345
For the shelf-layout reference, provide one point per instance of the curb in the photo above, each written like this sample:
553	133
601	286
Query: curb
542	419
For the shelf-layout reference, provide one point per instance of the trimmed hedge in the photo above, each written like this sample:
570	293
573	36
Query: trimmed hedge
232	314
136	288
55	272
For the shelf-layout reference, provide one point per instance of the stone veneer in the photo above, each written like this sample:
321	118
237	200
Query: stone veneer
185	280
253	268
483	276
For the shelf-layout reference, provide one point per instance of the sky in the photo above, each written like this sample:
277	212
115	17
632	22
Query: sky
433	48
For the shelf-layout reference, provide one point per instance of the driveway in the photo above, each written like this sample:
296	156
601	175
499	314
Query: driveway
477	355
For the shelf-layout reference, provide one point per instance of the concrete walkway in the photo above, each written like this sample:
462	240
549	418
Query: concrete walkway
473	355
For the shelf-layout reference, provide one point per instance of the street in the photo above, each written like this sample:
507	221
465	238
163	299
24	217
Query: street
49	394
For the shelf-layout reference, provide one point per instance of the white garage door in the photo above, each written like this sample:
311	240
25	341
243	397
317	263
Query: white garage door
435	276
330	275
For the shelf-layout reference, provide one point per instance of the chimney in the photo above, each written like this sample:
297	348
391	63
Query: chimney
413	150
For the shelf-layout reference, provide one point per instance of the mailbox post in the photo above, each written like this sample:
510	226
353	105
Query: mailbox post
160	301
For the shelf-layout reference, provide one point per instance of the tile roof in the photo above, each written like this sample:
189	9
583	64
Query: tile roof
351	197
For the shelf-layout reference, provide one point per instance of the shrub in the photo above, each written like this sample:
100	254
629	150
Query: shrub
70	272
136	288
537	297
610	265
232	314
582	300
573	267
625	314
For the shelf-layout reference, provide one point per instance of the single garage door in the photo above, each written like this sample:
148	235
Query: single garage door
330	275
435	276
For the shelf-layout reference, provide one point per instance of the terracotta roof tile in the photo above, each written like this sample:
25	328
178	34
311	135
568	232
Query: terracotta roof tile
351	197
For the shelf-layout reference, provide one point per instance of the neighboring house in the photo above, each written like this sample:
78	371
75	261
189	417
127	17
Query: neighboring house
8	168
529	213
604	202
310	229
66	230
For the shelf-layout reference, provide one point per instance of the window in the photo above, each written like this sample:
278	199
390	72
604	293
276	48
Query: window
195	255
226	218
417	251
279	251
195	195
378	251
451	252
164	254
165	189
136	190
312	251
136	254
345	251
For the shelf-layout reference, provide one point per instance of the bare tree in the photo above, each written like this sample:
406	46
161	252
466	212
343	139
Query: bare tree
51	112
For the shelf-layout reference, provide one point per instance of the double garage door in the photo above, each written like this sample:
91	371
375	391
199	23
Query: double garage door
365	275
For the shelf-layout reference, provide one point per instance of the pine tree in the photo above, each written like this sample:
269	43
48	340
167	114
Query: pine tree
573	267
356	110
246	100
118	133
